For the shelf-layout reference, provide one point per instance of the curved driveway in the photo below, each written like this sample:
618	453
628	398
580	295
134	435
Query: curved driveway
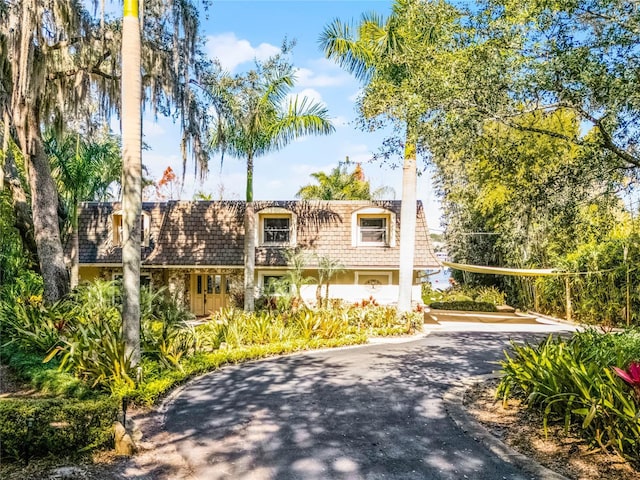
372	412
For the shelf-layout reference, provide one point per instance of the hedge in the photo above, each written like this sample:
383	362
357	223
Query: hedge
38	427
467	306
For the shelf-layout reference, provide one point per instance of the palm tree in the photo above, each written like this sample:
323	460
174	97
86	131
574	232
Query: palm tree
254	118
327	269
203	196
131	178
339	184
84	169
374	53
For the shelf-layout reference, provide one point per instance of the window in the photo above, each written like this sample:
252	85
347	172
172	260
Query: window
373	230
273	283
145	278
373	279
118	235
145	228
276	227
276	230
270	282
373	226
117	229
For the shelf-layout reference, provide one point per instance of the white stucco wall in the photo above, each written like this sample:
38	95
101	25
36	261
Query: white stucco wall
383	294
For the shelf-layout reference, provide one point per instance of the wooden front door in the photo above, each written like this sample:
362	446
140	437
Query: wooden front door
210	292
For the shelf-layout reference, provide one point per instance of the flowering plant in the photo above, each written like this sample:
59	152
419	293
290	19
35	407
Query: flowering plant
631	376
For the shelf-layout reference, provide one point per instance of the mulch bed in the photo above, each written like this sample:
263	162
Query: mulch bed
521	429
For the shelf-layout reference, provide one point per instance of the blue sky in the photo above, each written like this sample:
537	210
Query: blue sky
238	31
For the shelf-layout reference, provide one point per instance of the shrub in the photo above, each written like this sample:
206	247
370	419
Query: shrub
457	297
24	320
466	305
166	334
573	382
93	348
373	315
30	325
38	427
430	295
490	295
331	323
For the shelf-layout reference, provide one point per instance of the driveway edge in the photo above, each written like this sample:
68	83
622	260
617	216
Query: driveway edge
454	407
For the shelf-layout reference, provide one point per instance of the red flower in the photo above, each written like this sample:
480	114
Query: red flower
632	376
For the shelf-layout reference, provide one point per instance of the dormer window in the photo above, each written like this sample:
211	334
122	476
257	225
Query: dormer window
277	227
276	230
118	235
373	231
373	227
145	229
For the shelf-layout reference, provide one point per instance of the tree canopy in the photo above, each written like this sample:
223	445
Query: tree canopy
340	184
61	65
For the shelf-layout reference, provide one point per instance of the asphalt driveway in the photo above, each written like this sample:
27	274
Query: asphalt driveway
372	412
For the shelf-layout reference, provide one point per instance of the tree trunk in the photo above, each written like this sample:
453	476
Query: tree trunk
75	248
5	147
326	294
407	225
249	257
131	178
319	294
44	202
249	242
567	297
21	208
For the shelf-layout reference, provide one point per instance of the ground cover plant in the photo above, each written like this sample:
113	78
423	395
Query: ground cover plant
73	350
577	382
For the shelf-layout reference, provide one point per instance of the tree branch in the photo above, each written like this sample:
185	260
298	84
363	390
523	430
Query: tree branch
61	44
607	140
89	70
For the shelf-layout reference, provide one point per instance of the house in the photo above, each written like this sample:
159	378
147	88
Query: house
196	248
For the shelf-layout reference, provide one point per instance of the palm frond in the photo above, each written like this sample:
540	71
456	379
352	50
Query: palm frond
302	117
338	42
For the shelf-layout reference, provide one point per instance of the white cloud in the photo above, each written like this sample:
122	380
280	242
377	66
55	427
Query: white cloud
309	78
311	94
232	51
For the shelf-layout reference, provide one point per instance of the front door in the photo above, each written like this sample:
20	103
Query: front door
210	293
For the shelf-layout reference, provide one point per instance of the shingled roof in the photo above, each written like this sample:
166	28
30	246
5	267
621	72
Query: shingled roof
212	234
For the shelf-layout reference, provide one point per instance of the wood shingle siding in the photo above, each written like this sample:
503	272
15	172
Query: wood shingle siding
205	233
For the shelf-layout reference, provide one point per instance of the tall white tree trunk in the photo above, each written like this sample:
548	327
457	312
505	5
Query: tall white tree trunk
407	225
249	242
75	249
249	257
131	178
